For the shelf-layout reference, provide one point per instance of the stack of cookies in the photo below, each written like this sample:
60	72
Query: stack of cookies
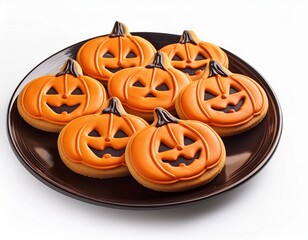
124	108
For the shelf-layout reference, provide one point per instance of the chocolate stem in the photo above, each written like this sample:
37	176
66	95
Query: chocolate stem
118	30
158	62
216	69
70	68
113	107
164	117
187	38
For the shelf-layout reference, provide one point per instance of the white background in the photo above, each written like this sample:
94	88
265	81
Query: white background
269	35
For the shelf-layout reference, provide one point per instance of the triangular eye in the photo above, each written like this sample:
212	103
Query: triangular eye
200	57
108	55
120	134
208	95
163	147
94	133
232	90
138	84
77	91
162	87
52	91
176	58
188	141
131	55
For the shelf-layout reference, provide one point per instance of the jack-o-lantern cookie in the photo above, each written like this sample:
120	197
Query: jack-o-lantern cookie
101	57
175	155
51	101
230	103
142	89
191	55
94	145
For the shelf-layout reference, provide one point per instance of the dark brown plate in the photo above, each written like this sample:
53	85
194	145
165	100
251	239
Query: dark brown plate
247	153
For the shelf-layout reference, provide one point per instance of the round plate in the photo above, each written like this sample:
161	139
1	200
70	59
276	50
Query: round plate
247	153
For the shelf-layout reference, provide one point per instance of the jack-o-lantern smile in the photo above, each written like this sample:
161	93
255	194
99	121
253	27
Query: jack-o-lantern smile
63	108
230	108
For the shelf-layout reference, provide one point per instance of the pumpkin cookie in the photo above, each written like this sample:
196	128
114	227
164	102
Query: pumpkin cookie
174	155
191	55
230	103
94	145
51	101
142	89
101	57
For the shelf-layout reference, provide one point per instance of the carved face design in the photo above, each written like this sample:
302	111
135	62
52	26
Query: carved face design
191	55
178	147
221	99
108	141
100	140
63	97
174	150
145	88
103	56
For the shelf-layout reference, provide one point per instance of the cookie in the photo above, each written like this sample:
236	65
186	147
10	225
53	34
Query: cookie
191	55
51	101
142	89
230	103
174	155
101	57
94	145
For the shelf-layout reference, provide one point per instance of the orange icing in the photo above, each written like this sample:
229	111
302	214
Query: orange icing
83	138
102	56
144	88
69	89
191	54
223	99
203	151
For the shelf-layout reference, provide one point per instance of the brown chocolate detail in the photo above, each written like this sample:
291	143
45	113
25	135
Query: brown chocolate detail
113	107
230	107
187	38
158	62
118	30
70	68
63	108
108	150
216	69
181	159
164	117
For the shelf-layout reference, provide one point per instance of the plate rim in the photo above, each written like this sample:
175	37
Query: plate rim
66	191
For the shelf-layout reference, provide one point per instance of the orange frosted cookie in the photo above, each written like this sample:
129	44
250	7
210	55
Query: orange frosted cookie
142	89
191	55
94	145
174	155
51	101
230	103
101	57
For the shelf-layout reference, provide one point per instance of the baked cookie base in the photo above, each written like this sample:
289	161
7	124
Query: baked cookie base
179	186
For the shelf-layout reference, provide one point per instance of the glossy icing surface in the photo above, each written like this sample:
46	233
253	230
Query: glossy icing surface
191	55
145	88
62	97
101	57
174	150
222	99
99	140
